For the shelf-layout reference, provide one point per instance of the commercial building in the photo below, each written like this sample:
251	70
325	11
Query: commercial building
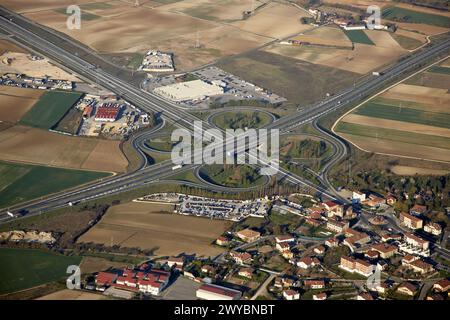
190	90
107	112
215	292
156	61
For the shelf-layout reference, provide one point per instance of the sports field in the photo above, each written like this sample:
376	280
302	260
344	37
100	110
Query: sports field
24	182
26	268
153	226
50	108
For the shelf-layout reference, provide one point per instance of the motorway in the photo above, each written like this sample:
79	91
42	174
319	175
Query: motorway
15	26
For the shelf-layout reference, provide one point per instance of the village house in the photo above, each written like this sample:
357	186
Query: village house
385	250
248	235
284	239
246	272
333	209
241	258
319	250
407	288
337	226
291	295
314	284
433	228
442	285
356	265
320	296
308	262
332	242
222	241
364	296
418	210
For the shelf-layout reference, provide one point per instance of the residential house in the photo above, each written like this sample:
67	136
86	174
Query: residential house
241	258
410	221
246	272
407	288
385	250
314	284
442	285
433	228
418	210
291	295
337	226
320	296
308	262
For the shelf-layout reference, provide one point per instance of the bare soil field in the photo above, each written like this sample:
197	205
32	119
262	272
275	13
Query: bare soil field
138	26
328	36
431	96
276	21
399	148
22	6
106	155
217	10
21	63
15	102
95	264
410	171
396	125
431	80
383	39
67	294
411	34
425	29
151	226
9	46
31	145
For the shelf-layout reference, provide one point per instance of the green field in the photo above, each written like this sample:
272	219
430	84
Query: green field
26	268
378	110
234	176
410	16
163	144
49	110
441	70
393	135
358	36
241	120
22	182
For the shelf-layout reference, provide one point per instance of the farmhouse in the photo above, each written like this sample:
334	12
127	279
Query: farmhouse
215	292
190	90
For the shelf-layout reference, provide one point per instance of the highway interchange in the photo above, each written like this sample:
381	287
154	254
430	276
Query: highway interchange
16	27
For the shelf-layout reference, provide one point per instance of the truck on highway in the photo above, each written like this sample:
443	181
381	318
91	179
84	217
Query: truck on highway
178	166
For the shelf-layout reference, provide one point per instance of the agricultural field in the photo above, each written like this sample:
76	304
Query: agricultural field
358	36
16	102
299	81
154	226
7	46
36	146
24	182
50	108
233	176
411	119
325	36
28	268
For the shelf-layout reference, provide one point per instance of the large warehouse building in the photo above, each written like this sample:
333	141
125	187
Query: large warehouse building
215	292
190	90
